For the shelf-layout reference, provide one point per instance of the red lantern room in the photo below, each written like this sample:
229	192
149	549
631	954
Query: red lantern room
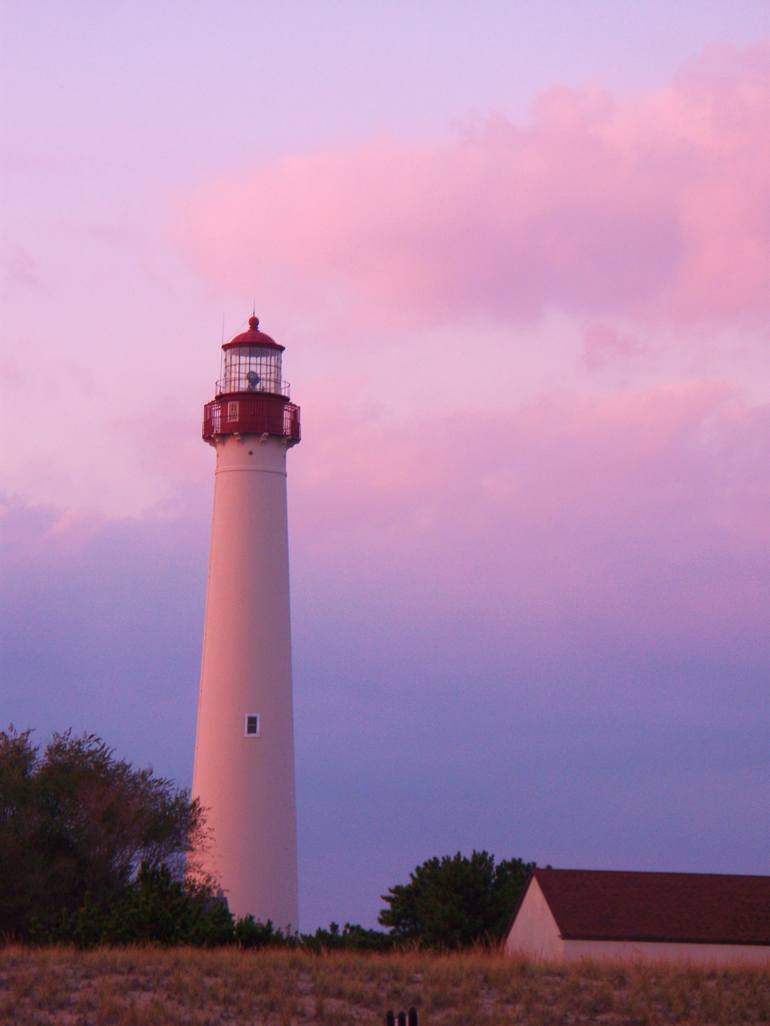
251	396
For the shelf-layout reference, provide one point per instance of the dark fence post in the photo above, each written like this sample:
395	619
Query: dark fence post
403	1019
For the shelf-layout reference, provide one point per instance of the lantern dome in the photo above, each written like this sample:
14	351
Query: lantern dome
253	337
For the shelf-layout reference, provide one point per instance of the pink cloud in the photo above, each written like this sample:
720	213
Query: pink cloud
635	520
603	342
19	270
655	206
642	515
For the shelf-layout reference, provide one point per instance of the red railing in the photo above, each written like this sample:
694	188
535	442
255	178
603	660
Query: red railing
291	426
234	382
246	414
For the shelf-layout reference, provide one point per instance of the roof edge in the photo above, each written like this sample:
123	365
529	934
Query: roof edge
650	872
664	940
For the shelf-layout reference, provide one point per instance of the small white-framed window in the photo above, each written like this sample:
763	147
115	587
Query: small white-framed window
251	725
233	410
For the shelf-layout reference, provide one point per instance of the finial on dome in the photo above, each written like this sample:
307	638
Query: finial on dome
254	322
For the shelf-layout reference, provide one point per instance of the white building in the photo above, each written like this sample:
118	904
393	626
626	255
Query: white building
244	745
570	914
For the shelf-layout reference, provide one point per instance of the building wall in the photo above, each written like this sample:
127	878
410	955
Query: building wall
534	932
246	784
640	951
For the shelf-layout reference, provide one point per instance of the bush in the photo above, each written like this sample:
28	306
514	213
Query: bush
154	908
250	933
351	937
455	901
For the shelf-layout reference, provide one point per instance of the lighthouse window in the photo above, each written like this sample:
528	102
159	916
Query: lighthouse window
232	411
252	369
252	725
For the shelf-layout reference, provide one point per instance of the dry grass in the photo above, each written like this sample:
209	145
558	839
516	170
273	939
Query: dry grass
187	987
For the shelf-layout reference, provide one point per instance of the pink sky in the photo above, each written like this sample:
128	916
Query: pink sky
521	265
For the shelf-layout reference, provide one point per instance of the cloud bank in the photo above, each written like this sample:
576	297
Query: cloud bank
655	206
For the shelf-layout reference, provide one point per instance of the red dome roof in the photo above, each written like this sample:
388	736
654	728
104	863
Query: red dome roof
253	337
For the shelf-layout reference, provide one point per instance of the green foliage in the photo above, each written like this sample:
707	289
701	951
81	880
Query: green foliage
250	933
75	826
351	937
153	908
456	901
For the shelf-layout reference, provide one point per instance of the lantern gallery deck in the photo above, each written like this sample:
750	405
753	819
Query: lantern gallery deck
241	414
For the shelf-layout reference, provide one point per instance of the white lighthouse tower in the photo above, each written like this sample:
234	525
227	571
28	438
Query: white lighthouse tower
244	746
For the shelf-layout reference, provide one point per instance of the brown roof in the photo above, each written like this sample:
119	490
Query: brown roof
706	908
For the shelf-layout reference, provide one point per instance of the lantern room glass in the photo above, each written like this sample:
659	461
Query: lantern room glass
252	369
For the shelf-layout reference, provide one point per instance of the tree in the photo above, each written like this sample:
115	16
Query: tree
352	937
76	824
155	907
456	901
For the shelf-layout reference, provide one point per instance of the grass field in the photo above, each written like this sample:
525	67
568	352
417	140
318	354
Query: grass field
172	987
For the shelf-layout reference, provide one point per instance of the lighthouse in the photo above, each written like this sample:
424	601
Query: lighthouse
244	745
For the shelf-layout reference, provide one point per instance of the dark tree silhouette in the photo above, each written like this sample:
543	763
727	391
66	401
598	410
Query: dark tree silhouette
456	901
77	823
